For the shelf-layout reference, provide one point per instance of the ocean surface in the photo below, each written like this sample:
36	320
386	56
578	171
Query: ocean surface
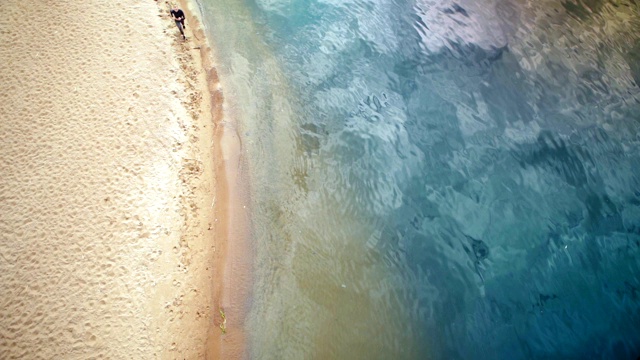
438	179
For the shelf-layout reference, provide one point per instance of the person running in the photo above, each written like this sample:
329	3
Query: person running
178	17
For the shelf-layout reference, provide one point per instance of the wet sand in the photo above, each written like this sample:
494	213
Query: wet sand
107	184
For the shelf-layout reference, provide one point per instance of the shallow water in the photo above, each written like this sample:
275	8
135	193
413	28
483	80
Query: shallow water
437	179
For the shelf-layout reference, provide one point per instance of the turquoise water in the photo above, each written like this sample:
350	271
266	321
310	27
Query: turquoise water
438	180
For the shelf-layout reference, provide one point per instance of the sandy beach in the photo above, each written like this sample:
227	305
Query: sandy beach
107	184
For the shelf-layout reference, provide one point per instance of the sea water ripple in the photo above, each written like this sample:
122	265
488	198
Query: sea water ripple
440	179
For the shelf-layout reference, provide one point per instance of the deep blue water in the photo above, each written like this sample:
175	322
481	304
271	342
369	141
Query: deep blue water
437	179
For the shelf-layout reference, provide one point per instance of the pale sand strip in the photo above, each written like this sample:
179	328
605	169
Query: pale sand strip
106	184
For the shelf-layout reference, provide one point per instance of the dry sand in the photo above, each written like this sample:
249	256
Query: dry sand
106	184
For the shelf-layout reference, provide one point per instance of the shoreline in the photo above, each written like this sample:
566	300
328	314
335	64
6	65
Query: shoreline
232	253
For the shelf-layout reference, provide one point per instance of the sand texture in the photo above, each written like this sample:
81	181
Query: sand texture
106	184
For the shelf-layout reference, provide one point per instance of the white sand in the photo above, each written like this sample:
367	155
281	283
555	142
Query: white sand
105	184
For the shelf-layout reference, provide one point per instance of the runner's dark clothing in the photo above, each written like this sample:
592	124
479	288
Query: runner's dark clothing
178	16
